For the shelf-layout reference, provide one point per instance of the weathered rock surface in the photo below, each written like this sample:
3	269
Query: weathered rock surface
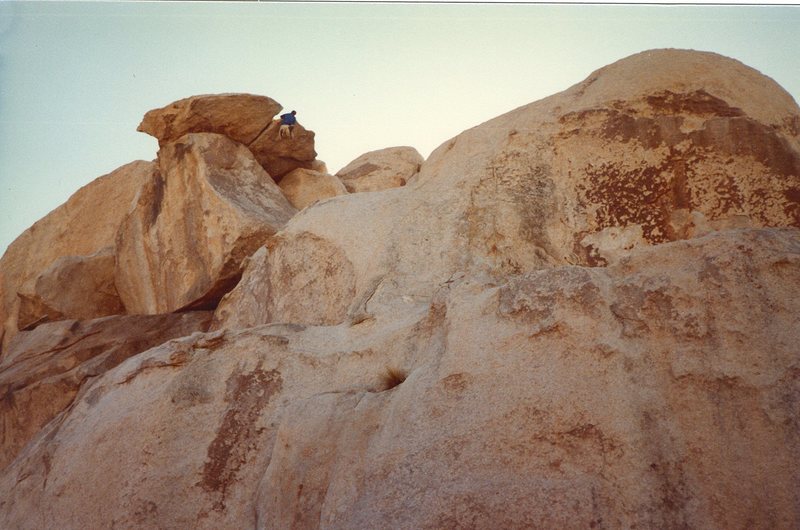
304	187
281	284
210	206
45	369
84	225
280	156
240	117
554	183
244	118
381	170
319	165
658	392
76	287
569	318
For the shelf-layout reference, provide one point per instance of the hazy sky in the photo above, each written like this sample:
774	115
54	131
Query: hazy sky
76	78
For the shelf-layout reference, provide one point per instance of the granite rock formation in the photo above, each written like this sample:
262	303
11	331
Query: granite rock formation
658	392
381	170
209	207
581	314
244	118
303	187
46	368
524	191
83	226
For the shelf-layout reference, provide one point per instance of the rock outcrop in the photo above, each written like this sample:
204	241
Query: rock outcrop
210	206
580	314
45	369
244	118
381	170
282	155
83	226
78	287
303	187
530	189
658	392
240	117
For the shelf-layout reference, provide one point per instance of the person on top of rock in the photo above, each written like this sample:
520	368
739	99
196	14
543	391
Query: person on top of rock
288	122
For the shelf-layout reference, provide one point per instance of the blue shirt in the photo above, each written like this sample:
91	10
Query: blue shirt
288	119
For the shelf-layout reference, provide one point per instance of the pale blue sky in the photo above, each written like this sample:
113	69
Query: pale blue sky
76	78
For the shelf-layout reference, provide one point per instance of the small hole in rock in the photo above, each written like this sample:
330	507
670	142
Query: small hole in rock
392	377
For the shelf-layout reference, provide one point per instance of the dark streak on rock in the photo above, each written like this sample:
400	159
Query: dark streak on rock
698	102
180	150
157	189
360	171
647	195
237	436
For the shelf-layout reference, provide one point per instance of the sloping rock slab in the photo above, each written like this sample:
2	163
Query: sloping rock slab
660	392
46	368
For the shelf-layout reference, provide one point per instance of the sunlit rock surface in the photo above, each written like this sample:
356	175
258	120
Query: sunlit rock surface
581	314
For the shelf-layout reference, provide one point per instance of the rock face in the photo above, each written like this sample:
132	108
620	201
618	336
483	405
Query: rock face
280	284
85	225
581	314
210	206
303	187
79	287
659	392
45	369
381	170
244	118
530	189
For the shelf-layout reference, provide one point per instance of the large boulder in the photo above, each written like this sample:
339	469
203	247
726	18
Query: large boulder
380	170
210	206
648	144
280	155
659	392
301	279
240	117
77	287
46	368
83	226
623	159
679	150
304	187
244	118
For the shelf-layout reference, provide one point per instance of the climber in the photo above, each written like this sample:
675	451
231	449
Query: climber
288	122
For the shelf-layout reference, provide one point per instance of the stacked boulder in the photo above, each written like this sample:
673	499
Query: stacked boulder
244	118
140	255
580	314
379	170
156	237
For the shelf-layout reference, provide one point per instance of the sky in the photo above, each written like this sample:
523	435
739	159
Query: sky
77	77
